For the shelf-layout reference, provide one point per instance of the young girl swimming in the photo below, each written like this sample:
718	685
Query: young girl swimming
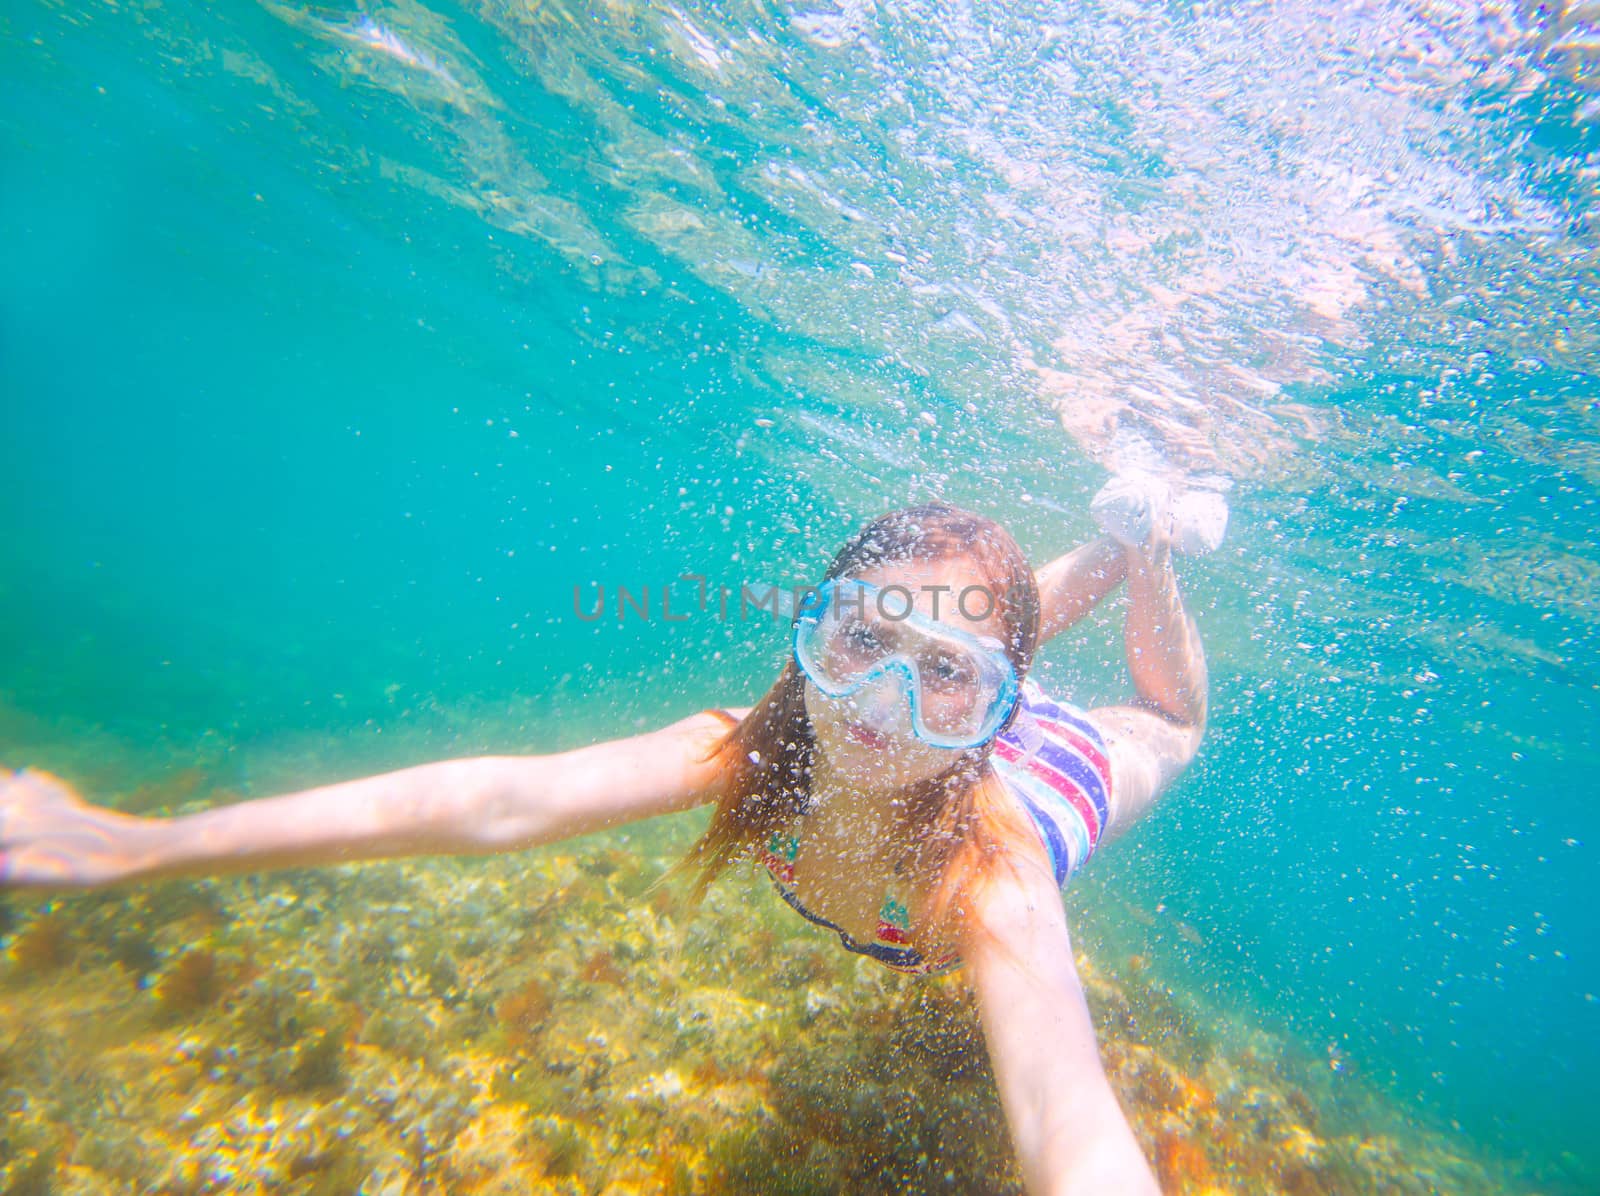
904	782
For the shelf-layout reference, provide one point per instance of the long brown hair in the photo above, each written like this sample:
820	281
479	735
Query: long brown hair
953	827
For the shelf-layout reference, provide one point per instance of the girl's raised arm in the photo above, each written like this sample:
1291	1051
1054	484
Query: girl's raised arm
1152	739
1075	583
49	838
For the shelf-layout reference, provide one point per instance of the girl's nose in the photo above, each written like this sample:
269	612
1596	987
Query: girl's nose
883	702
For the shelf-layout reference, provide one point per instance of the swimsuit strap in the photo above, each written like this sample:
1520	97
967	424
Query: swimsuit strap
890	945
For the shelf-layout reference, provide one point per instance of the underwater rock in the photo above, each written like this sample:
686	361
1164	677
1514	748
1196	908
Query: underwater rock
316	1062
43	945
436	963
1307	1180
733	1053
663	1089
643	934
1181	1164
1302	1106
277	1008
137	955
331	1167
1144	1078
819	1001
30	1175
565	1146
405	1031
523	1014
1196	1094
601	968
490	1154
605	863
192	984
721	1016
940	1033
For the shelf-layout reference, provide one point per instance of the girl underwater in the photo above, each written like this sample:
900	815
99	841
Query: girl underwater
903	781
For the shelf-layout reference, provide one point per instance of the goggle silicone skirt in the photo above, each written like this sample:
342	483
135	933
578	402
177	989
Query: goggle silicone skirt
960	687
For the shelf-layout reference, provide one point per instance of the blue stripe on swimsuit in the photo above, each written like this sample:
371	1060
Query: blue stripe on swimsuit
1055	760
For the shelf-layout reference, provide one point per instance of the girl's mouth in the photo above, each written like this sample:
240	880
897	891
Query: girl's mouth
865	736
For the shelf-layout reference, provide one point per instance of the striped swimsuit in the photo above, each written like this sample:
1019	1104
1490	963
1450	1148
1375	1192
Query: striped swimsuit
1054	761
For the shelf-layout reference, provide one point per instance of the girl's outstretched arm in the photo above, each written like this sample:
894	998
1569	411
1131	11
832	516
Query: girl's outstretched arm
1070	1133
50	838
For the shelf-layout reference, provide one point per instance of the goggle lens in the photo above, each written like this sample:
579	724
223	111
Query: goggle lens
960	687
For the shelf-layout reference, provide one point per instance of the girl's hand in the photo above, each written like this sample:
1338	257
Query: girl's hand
50	838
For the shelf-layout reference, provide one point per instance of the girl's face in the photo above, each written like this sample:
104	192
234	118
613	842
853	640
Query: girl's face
867	736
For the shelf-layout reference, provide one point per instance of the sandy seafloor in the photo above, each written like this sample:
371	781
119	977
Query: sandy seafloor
555	1021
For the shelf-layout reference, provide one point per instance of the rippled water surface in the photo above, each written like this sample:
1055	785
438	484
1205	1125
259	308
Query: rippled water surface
338	345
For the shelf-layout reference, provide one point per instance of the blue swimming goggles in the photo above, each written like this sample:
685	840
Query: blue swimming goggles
961	688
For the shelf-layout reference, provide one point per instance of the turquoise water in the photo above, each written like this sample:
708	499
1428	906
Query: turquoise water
337	347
